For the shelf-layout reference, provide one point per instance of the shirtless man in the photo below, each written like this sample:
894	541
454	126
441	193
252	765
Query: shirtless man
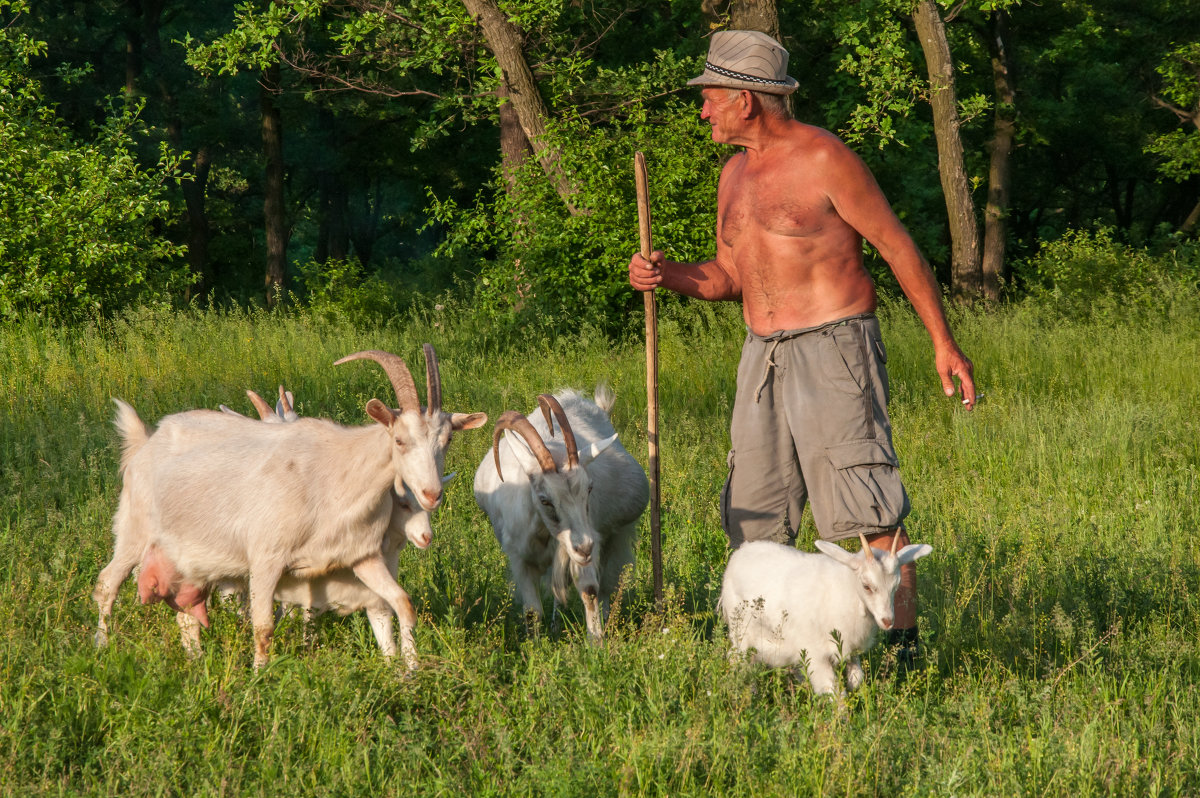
810	416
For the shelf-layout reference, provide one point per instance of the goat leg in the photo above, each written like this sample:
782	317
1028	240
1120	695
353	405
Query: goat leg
262	610
373	572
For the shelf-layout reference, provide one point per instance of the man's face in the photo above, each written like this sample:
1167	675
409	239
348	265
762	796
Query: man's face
722	109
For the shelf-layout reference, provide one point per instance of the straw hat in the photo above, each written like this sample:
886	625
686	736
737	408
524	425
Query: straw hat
746	59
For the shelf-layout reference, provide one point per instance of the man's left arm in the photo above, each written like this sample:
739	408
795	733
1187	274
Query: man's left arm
858	200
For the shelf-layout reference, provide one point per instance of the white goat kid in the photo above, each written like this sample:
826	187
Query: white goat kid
226	498
568	507
785	605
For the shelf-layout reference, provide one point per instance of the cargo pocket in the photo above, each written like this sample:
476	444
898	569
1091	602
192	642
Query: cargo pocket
844	358
867	491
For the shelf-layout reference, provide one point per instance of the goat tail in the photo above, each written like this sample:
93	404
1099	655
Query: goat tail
560	576
133	431
605	398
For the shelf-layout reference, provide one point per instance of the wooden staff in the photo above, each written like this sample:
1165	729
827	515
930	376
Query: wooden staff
639	171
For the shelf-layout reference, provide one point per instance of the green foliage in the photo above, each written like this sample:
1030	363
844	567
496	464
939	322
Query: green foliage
1090	273
878	82
79	220
342	289
1179	150
541	260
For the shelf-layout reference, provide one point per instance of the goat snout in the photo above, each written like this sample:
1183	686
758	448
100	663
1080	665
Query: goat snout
430	499
584	552
421	540
886	622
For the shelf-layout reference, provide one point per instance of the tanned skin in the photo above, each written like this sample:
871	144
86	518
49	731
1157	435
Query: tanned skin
792	210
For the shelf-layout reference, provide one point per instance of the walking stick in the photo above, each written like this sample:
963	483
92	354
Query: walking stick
639	171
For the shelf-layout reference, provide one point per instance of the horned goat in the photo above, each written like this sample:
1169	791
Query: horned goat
568	507
221	497
340	590
785	605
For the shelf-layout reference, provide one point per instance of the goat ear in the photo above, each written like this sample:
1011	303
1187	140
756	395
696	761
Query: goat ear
838	553
467	420
230	411
381	413
593	451
913	552
447	477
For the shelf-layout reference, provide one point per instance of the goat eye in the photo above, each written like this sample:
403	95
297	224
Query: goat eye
546	503
868	588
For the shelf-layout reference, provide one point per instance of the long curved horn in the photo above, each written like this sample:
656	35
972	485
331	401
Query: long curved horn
511	419
433	381
550	405
265	411
397	372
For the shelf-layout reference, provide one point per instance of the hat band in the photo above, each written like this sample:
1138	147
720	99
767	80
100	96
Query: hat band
729	73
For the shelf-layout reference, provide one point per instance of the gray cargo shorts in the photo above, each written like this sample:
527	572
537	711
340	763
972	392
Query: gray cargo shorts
810	424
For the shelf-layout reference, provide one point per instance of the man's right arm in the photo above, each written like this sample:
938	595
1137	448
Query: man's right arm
707	280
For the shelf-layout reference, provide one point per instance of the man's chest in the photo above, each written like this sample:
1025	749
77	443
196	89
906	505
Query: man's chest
764	204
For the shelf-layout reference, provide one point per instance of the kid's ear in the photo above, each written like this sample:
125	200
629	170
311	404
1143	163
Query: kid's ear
593	451
837	552
913	552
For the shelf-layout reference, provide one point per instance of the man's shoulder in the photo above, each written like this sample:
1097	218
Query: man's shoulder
818	142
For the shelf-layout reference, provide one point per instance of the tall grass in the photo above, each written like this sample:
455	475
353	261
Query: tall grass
1059	609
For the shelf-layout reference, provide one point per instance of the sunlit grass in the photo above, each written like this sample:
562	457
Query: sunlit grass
1060	608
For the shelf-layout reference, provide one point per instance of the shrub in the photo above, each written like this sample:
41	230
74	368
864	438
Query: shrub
1085	273
79	220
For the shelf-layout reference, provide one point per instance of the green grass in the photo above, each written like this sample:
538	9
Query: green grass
1060	607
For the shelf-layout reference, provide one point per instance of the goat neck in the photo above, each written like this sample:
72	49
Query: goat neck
551	405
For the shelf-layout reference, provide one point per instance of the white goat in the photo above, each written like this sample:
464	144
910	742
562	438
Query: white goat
570	507
786	604
223	497
340	591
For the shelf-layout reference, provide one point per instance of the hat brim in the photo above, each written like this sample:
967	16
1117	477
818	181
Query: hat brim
709	78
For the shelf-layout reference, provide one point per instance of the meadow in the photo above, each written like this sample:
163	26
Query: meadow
1059	609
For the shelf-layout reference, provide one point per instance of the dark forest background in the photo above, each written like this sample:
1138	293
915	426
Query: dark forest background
362	155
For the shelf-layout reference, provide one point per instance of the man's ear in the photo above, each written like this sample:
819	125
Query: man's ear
748	104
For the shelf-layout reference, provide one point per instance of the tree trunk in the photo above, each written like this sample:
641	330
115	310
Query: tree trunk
514	146
995	217
333	199
966	277
274	221
759	15
504	40
1193	218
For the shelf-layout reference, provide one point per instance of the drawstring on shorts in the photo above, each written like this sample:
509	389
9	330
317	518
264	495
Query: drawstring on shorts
767	370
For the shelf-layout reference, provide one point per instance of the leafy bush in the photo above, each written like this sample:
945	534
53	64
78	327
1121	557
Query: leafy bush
79	220
343	289
539	259
1084	272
